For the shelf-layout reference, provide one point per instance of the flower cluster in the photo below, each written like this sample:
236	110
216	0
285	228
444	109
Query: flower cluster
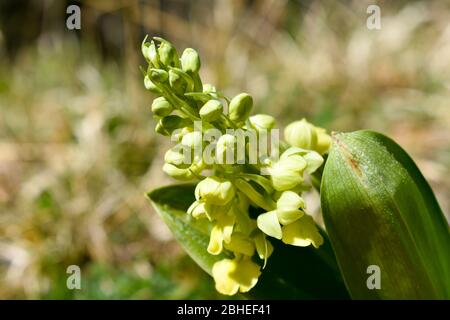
228	190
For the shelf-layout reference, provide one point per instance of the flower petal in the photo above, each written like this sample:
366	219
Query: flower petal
287	215
221	273
302	233
268	223
313	161
241	244
243	222
215	245
246	274
263	247
290	199
199	210
283	178
214	190
226	223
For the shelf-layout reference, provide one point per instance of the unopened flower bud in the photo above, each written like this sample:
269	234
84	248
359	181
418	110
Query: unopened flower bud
179	133
179	159
177	173
262	122
240	108
161	107
193	140
167	52
190	60
209	88
301	134
161	130
177	83
158	75
152	54
144	48
211	110
214	190
170	123
150	86
226	149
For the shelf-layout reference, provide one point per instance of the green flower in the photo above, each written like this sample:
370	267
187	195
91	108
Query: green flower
177	83
144	48
177	158
239	243
166	51
289	222
301	134
224	198
193	140
150	86
226	149
200	210
170	123
287	173
323	141
221	232
211	110
312	158
183	174
240	108
302	233
209	88
161	107
151	54
190	60
214	190
158	75
262	122
287	212
239	274
239	209
263	247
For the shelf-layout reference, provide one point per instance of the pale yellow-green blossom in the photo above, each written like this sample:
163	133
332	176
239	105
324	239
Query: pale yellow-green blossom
287	212
190	60
240	108
214	190
221	232
227	191
262	122
302	233
305	135
211	110
287	173
233	275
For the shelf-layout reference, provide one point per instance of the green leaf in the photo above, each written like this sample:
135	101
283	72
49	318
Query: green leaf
379	210
171	203
291	272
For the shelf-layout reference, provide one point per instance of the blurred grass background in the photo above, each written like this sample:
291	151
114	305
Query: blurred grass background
77	147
